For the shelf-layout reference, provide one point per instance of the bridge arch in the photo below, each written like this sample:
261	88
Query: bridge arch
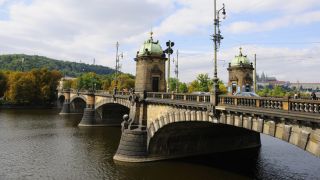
185	133
60	100
72	98
77	104
158	129
104	101
111	114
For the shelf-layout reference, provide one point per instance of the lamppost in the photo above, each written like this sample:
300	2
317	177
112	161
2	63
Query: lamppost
169	51
216	37
22	61
118	66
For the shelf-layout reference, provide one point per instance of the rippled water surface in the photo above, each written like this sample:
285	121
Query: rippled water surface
40	144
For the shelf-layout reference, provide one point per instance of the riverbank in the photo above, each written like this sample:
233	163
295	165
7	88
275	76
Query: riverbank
14	106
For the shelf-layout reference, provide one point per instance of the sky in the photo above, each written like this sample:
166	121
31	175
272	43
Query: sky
284	34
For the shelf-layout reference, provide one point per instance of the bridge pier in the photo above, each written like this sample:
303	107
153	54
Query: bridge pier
66	104
89	118
132	146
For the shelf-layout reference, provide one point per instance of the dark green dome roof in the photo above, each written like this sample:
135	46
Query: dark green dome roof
240	59
150	48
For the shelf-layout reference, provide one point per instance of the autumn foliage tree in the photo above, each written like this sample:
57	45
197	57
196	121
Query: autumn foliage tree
34	87
3	83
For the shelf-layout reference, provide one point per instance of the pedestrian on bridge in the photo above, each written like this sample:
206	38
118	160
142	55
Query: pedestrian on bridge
313	96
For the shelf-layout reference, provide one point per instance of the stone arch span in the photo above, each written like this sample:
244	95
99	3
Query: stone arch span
77	104
190	133
103	101
253	125
72	98
111	113
60	100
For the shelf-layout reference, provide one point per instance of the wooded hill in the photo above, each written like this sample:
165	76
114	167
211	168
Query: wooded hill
22	62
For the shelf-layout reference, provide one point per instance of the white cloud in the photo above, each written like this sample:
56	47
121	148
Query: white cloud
68	29
83	30
290	20
286	64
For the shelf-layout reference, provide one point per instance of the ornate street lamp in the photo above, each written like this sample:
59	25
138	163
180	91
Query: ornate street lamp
216	37
118	66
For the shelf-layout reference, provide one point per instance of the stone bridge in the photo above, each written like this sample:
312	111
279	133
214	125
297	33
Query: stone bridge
166	125
158	125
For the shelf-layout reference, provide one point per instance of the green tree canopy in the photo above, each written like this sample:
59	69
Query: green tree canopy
34	87
3	83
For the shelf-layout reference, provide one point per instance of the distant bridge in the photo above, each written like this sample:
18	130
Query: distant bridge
170	125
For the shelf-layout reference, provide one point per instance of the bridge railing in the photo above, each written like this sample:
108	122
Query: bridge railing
179	96
308	106
287	104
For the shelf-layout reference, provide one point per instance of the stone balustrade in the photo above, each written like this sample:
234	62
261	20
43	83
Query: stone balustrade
180	96
285	104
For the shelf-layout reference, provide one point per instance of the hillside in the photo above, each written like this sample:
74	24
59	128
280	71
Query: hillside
14	62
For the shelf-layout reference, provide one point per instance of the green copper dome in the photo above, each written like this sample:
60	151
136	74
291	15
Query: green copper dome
150	48
240	59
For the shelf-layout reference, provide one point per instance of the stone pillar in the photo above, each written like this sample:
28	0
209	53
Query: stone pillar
132	146
66	104
88	118
134	138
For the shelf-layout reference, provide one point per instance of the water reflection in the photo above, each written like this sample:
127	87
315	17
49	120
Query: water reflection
40	144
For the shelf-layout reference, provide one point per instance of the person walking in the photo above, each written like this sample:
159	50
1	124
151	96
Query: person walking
313	96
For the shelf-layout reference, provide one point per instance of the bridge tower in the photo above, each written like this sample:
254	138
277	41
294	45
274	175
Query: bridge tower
150	67
240	74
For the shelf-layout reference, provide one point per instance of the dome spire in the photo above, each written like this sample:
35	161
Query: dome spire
151	34
240	51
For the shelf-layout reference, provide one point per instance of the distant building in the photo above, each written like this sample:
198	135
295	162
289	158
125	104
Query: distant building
60	86
305	86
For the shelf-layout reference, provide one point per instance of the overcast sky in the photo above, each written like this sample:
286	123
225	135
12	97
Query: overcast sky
284	34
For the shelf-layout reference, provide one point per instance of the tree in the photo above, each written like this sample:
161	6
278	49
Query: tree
278	92
222	88
34	87
183	88
22	88
125	82
194	86
88	81
204	82
173	84
3	83
264	92
67	84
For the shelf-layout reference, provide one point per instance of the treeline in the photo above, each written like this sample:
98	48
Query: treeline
35	87
279	91
89	81
93	81
201	84
21	62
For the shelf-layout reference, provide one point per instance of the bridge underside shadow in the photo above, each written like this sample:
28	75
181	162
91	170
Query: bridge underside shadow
110	114
77	106
196	138
186	139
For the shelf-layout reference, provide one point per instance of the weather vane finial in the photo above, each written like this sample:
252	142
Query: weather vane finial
151	33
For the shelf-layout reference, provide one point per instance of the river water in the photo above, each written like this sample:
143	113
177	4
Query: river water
40	144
